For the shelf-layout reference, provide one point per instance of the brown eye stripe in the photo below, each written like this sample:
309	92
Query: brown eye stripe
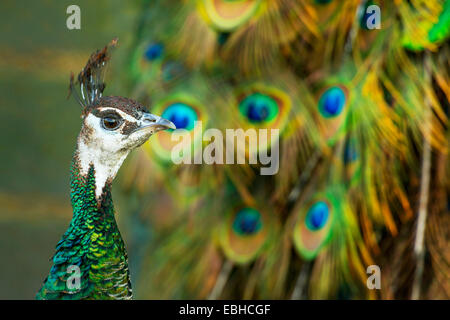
129	127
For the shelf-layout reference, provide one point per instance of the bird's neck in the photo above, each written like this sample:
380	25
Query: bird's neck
87	201
92	242
106	163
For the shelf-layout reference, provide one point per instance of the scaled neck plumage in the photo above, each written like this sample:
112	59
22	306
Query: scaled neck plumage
92	242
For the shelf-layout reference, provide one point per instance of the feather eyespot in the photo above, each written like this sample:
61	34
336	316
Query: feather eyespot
258	108
182	115
317	216
332	102
154	51
247	222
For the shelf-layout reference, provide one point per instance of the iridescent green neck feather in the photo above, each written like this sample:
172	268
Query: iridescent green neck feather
92	243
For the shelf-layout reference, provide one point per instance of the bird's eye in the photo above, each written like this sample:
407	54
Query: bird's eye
247	222
111	123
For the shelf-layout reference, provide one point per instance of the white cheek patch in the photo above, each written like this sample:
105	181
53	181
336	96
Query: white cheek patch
103	149
106	149
100	137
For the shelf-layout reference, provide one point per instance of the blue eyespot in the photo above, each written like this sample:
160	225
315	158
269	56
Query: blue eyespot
247	222
317	216
332	102
181	114
258	107
154	51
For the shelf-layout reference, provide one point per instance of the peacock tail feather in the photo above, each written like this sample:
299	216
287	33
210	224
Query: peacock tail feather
354	112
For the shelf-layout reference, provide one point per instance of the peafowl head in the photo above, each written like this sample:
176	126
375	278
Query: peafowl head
112	126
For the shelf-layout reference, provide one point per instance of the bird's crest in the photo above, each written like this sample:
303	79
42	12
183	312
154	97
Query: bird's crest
91	78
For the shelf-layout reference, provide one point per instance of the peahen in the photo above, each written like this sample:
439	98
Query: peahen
362	112
92	248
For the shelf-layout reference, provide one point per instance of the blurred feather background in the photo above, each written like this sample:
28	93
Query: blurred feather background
363	145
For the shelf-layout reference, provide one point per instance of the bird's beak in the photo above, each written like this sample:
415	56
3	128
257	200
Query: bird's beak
154	122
